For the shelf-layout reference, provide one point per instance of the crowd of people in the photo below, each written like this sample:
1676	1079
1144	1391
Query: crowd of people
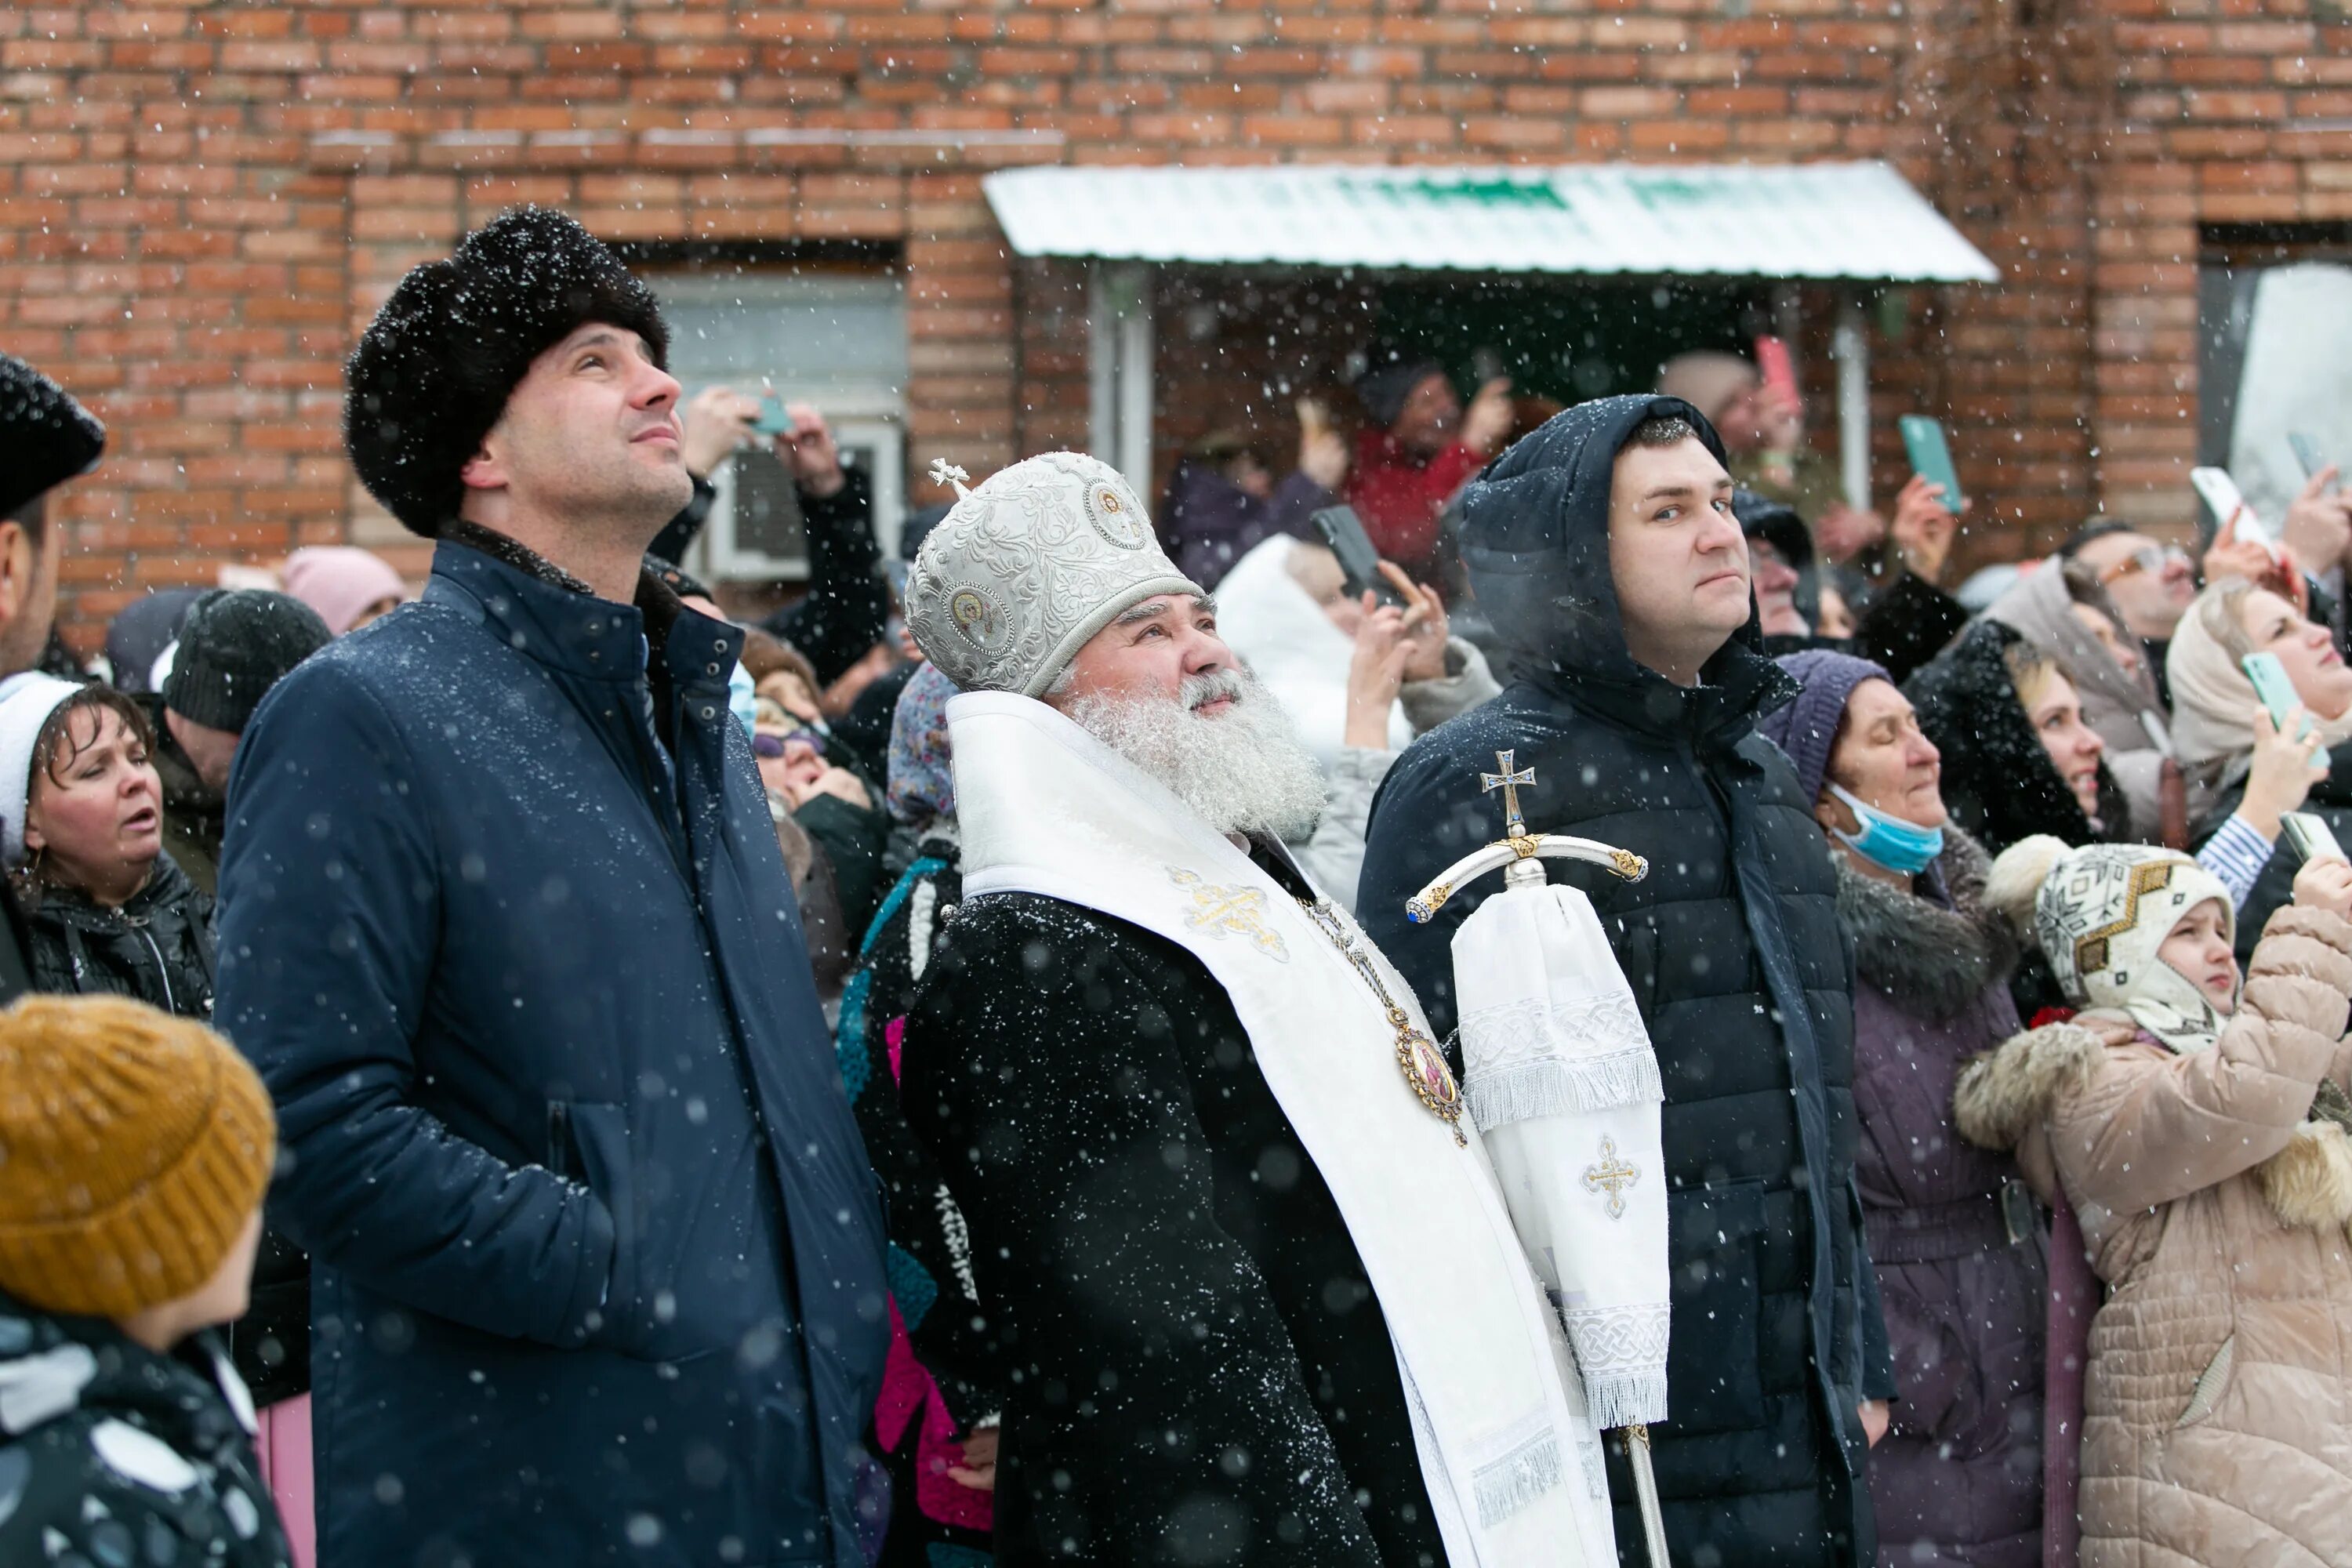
1001	1059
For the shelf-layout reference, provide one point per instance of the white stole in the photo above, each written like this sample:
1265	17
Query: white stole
1559	1073
1508	1457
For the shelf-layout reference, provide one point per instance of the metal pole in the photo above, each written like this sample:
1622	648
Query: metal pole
1851	348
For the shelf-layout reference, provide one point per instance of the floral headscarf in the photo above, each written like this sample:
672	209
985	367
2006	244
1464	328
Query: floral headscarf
922	785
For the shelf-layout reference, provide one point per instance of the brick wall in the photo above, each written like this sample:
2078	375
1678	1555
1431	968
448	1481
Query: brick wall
198	202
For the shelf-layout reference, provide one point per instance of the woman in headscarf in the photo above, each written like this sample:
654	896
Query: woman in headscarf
1957	1482
2240	773
2061	609
1359	681
2018	758
936	1415
2197	1132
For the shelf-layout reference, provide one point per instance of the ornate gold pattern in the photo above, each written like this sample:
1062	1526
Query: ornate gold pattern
1611	1175
1231	912
1628	865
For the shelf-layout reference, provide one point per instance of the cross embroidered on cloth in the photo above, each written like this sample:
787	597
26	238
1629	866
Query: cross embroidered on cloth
1231	912
1610	1175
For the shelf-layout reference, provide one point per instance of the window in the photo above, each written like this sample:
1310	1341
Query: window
835	336
2275	339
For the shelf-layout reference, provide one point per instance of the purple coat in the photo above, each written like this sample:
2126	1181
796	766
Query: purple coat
1957	1479
1208	522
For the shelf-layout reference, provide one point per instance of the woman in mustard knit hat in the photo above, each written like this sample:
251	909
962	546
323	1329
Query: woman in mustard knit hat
137	1147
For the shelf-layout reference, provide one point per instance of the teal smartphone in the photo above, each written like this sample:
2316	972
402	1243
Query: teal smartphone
2277	693
772	419
1931	458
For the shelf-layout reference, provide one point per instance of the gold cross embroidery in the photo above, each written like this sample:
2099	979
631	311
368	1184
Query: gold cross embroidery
1509	782
1231	912
1610	1175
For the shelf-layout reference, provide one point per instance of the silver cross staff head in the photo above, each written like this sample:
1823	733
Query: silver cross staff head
1513	826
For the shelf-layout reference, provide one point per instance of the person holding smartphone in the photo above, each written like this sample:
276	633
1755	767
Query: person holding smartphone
2244	764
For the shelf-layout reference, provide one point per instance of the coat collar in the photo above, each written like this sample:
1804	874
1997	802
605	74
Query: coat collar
547	614
1937	950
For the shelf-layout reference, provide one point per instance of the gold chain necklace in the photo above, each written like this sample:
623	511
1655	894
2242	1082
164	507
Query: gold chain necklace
1422	1064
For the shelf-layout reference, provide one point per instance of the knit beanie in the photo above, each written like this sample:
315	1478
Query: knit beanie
27	701
1383	389
434	370
236	644
341	582
138	1145
46	437
1027	566
1806	729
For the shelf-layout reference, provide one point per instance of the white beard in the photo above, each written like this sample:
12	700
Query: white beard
1245	772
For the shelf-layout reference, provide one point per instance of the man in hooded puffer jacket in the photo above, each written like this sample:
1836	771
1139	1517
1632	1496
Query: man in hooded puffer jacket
1605	548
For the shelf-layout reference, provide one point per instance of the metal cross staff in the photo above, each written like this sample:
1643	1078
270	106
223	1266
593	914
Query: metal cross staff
1514	825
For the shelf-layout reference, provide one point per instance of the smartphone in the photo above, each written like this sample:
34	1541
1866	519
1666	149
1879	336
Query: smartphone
2307	452
1772	360
2312	837
1360	563
1931	458
772	419
2277	693
2221	498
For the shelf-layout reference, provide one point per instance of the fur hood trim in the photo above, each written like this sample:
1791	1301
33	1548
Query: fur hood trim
2309	1182
2004	1093
1937	958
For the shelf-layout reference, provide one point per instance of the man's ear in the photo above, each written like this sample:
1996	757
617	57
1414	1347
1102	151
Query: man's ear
486	469
15	569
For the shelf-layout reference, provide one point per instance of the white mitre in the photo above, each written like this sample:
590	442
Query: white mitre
1028	567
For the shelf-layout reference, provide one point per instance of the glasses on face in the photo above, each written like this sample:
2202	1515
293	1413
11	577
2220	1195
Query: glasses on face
2151	559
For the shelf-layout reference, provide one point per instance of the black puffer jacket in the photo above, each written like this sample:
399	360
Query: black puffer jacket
1999	784
1734	951
157	948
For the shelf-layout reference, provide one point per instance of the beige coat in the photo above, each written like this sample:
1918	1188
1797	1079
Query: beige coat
2218	1401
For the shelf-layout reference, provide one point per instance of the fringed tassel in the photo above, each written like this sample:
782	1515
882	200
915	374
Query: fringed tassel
1557	1086
1504	1487
1634	1400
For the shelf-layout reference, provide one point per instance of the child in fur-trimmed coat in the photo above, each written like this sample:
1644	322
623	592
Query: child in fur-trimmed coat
2198	1130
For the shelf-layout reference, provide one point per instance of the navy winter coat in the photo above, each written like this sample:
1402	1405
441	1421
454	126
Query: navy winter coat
597	1254
1733	950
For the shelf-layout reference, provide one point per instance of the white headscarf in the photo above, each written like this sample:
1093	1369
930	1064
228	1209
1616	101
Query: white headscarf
1276	627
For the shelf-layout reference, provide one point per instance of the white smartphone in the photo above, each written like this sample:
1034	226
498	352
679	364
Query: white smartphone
2221	496
2310	835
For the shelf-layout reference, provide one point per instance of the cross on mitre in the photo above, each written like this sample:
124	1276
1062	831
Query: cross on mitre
946	473
1509	782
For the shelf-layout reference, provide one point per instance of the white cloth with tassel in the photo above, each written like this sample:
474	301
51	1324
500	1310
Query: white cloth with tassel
1559	1075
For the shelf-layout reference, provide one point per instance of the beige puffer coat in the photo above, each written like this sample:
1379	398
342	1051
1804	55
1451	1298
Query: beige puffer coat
2217	1402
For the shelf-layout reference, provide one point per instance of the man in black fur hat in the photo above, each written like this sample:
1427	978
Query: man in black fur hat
46	440
1606	551
597	1256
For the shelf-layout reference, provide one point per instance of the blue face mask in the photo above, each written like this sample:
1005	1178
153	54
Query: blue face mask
1901	846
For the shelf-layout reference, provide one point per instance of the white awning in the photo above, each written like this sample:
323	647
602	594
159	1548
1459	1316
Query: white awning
1859	221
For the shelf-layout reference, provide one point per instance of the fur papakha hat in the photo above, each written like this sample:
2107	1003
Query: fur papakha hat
434	369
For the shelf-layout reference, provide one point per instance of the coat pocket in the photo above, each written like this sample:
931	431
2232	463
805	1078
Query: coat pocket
2212	1383
590	1143
1714	1365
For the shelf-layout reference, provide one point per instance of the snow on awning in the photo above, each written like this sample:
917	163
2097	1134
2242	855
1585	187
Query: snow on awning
1860	221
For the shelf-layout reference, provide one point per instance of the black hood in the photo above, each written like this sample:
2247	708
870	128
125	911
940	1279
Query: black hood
1535	539
1999	782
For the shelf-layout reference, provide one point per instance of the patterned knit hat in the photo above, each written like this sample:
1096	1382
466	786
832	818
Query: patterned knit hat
1028	567
2100	913
136	1145
922	779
